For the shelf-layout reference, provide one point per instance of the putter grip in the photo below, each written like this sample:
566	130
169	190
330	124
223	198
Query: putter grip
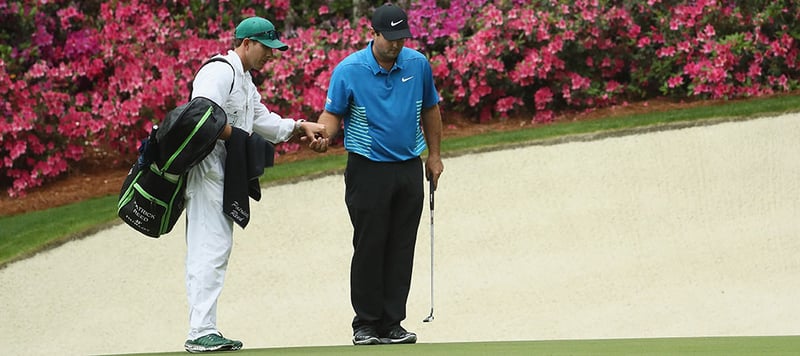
431	195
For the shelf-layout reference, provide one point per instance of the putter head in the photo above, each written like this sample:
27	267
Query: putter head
428	319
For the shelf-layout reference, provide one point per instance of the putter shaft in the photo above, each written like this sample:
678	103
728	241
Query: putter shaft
430	317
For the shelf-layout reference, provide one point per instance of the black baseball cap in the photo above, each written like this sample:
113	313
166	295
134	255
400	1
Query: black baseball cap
391	21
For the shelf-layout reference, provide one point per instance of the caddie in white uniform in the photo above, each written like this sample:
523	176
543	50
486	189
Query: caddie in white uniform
209	232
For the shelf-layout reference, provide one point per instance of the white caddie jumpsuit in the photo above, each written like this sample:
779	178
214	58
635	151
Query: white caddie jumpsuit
209	232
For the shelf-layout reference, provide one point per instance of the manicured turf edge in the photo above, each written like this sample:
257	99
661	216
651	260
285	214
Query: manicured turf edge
706	346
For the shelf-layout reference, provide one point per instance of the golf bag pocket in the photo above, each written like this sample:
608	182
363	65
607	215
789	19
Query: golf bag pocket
151	201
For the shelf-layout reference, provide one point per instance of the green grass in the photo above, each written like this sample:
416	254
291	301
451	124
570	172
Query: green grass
561	131
706	346
27	234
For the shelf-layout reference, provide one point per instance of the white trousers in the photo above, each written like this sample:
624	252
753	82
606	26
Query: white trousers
209	238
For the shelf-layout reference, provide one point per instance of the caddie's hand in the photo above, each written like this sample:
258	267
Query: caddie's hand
226	132
316	134
312	131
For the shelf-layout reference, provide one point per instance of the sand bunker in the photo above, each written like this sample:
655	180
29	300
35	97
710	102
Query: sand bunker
690	232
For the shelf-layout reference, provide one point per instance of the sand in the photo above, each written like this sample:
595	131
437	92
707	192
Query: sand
687	232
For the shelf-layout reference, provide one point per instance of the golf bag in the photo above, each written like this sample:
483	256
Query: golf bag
151	201
152	196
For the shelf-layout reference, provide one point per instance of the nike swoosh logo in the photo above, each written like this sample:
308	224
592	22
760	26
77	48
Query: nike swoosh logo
395	23
407	79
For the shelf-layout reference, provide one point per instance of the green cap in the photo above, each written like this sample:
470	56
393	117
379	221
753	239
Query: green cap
261	30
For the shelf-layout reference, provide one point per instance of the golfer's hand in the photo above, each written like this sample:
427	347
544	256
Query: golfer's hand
434	169
319	144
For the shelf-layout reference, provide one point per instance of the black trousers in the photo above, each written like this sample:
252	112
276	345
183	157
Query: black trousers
385	205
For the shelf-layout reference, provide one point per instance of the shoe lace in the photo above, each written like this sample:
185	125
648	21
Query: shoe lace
212	339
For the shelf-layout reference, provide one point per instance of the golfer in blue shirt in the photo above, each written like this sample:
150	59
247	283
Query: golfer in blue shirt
387	98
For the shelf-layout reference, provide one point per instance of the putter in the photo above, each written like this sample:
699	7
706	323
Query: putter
430	317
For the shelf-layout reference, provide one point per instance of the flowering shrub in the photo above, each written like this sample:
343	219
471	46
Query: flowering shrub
78	77
544	56
298	81
94	82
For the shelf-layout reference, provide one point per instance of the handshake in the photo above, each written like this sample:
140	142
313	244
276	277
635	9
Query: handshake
316	134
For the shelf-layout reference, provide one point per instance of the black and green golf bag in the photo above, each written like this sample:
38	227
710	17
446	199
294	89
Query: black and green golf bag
152	196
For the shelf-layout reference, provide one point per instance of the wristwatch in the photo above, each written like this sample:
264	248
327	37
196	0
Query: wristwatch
298	127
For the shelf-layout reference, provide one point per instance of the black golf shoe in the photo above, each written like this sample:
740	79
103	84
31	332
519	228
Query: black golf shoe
398	335
366	335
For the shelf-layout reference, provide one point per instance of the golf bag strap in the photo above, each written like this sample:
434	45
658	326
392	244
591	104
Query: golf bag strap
210	60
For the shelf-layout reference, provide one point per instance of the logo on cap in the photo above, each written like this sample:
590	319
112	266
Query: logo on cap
391	22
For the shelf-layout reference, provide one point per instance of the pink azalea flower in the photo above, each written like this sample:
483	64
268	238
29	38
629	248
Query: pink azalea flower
579	82
542	97
634	31
543	116
675	81
506	104
665	52
566	93
612	86
709	31
67	14
542	33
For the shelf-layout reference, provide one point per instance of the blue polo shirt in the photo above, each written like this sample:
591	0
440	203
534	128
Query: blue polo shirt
382	109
